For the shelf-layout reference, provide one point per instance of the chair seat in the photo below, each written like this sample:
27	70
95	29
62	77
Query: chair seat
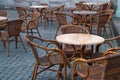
95	72
54	60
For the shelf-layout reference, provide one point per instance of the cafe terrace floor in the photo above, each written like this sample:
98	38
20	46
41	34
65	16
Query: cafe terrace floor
19	65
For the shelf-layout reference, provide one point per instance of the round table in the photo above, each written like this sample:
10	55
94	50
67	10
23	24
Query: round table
85	12
40	6
2	18
80	39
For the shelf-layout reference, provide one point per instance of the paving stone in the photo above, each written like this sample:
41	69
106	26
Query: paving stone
19	65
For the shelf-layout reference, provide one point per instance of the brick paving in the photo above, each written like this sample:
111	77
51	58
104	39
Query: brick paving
19	65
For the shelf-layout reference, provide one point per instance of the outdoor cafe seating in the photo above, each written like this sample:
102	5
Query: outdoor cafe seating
79	44
52	56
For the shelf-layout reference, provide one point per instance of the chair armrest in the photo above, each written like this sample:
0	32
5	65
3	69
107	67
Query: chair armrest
107	41
25	16
111	39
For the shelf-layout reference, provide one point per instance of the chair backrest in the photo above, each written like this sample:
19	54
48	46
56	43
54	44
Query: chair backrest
42	10
21	11
104	6
110	4
110	12
61	8
112	63
58	9
13	27
3	13
80	5
71	29
34	19
61	18
103	18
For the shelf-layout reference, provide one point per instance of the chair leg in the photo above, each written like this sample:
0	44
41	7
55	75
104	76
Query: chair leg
65	72
34	74
106	32
57	31
111	30
72	76
59	75
31	32
16	40
22	43
45	23
38	32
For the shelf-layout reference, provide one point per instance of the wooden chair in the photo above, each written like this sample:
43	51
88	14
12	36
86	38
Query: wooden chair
23	14
73	51
110	4
2	25
64	19
98	24
32	24
104	6
50	14
80	5
12	29
42	11
106	67
47	55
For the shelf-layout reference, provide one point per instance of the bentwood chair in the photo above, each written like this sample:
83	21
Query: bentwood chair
42	10
2	25
74	51
104	6
50	14
97	24
64	19
47	54
23	14
32	25
106	67
12	30
80	5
